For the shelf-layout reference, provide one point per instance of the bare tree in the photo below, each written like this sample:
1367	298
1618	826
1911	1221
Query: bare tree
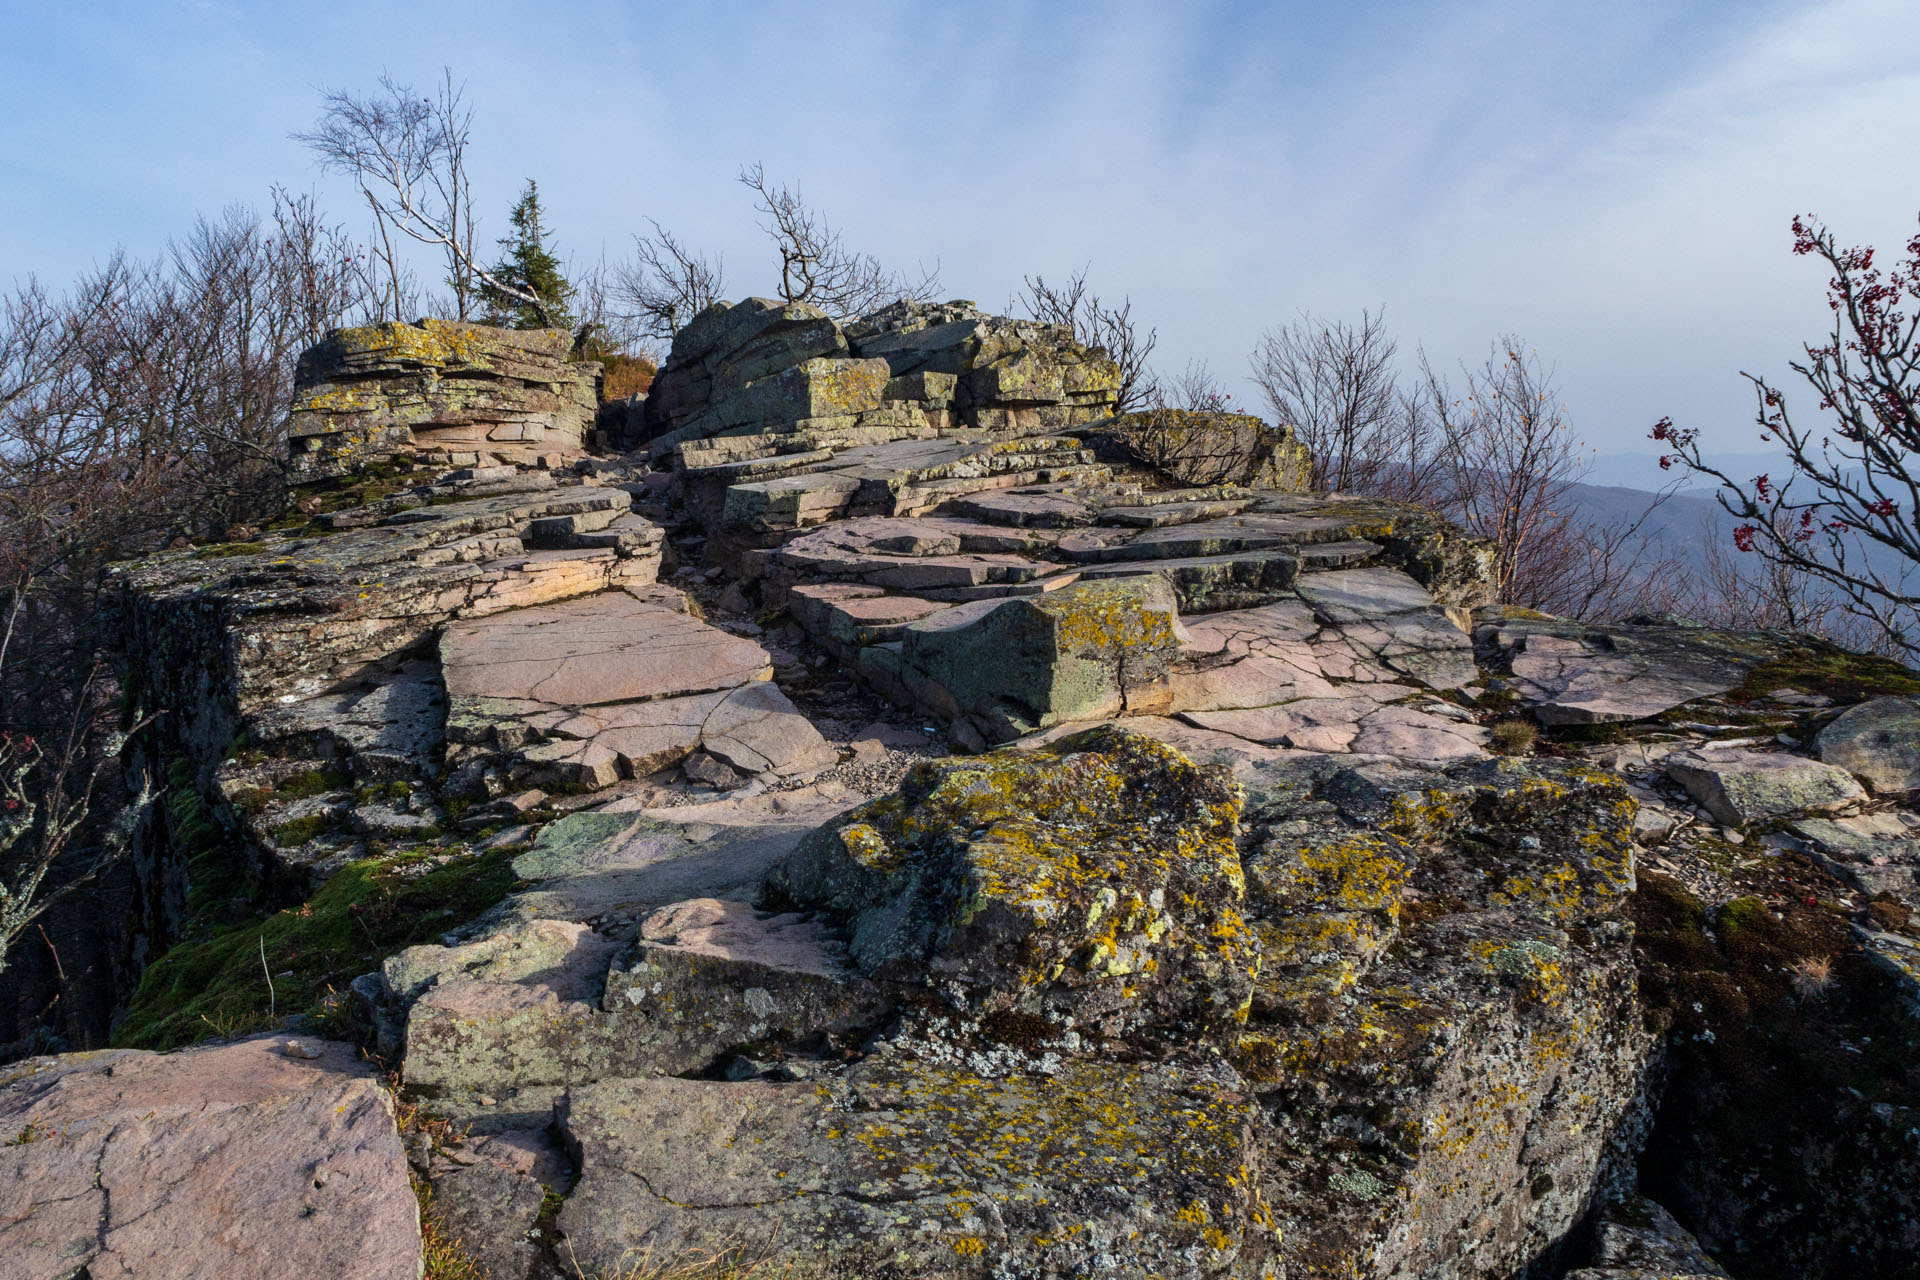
816	267
1507	464
48	849
1193	390
1095	324
665	284
408	155
1848	511
1335	384
1751	592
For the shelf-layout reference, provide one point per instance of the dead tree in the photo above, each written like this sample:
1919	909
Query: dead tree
817	267
1507	464
665	284
1335	384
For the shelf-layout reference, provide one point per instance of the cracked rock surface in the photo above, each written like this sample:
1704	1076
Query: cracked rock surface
246	1161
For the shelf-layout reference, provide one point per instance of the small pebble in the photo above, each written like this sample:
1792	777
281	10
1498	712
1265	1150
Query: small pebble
294	1049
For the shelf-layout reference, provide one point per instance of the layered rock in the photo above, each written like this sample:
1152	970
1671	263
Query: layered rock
461	394
1278	969
296	669
761	367
1206	447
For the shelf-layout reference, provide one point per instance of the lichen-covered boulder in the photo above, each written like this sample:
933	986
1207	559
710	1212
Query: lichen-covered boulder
910	1168
1738	787
1444	1031
1090	889
469	394
1086	652
762	367
1878	742
1209	447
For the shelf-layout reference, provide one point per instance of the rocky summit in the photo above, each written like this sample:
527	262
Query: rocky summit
863	809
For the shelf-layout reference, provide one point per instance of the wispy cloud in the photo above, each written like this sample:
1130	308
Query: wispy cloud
1610	181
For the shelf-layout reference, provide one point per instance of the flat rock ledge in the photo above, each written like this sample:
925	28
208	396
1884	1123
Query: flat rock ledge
256	1160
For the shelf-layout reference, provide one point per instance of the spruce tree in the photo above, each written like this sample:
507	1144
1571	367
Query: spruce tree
528	264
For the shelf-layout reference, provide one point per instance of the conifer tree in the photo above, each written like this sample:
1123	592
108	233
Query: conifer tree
529	265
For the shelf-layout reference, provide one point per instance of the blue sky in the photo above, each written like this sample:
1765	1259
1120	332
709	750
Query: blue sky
1610	181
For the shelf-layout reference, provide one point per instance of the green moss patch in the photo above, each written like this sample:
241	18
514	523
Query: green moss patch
311	782
301	830
1813	666
367	911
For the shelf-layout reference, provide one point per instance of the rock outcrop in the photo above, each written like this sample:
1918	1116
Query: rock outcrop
457	394
902	818
765	368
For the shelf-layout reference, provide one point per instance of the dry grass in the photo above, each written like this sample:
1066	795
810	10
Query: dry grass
442	1257
626	375
1812	976
1514	737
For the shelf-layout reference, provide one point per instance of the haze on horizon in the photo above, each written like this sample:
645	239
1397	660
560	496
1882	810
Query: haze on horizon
1614	186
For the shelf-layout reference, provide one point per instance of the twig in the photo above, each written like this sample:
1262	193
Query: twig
57	966
268	972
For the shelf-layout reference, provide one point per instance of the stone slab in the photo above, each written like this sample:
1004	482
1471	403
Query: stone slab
598	649
246	1161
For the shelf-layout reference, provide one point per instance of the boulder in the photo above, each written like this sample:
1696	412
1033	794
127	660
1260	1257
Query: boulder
1206	447
910	369
438	388
1739	786
708	976
922	1168
1085	652
1090	887
1877	742
262	1158
1633	1238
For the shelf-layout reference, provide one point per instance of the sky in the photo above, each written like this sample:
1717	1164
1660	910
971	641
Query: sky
1612	183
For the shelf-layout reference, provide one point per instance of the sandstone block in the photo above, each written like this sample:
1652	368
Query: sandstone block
1085	652
247	1161
1738	787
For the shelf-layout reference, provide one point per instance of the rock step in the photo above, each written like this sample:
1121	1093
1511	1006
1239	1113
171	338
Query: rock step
1160	515
1208	584
629	535
562	530
844	618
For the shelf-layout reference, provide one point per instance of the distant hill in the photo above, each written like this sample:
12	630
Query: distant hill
1685	524
1642	470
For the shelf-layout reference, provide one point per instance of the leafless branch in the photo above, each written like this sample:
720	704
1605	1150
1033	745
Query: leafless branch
665	284
1094	324
817	267
408	156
